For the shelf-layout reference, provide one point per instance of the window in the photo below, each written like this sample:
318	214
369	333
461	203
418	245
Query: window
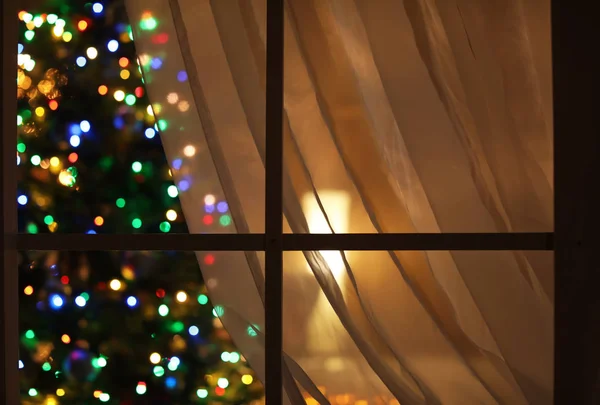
574	239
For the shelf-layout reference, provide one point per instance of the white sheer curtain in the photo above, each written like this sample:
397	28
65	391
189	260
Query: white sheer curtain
400	116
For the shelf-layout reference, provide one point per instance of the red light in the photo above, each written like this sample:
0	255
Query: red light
160	38
139	92
219	391
73	157
208	220
209	259
53	104
160	293
64	279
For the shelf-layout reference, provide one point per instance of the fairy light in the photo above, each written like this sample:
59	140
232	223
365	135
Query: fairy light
67	37
189	151
28	290
66	339
124	74
171	215
115	285
60	392
202	393
91	52
247	379
82	25
172	191
119	95
181	296
98	221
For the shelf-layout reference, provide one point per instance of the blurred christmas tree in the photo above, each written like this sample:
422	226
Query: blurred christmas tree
122	328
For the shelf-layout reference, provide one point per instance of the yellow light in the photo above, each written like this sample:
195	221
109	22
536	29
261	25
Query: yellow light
247	379
209	199
40	111
28	290
183	106
102	90
55	162
97	393
60	392
58	30
115	285
92	52
66	339
189	151
99	221
51	401
52	227
172	98
82	25
171	215
128	273
119	95
125	74
67	37
181	296
155	358
149	110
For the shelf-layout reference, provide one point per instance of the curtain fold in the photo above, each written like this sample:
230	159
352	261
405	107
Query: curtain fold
400	116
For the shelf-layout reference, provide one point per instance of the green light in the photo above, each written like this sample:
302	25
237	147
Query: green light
85	296
136	223
136	167
225	220
225	356
29	35
120	202
202	393
46	366
32	392
130	99
177	327
48	219
162	125
172	191
202	299
19	120
36	160
158	371
218	311
172	366
165	226
148	24
51	18
163	310
234	357
21	147
32	228
104	397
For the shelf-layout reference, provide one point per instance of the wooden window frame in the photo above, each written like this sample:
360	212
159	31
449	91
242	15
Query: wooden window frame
574	240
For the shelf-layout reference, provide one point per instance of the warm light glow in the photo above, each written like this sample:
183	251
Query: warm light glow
102	90
181	296
189	150
123	62
28	290
82	25
172	98
337	207
119	95
247	379
115	285
60	392
209	199
155	358
98	221
124	74
171	215
65	339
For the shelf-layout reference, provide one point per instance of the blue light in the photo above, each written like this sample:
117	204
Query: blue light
184	185
118	122
131	301
85	126
177	164
113	45
81	61
156	63
193	330
150	133
56	301
209	208
75	141
75	129
91	232
97	8
171	382
80	301
182	76
21	365
20	48
222	207
175	361
22	199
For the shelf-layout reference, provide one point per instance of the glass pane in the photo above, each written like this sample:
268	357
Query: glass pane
415	327
124	136
128	327
403	121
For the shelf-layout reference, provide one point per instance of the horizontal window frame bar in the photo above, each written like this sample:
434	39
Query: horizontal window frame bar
291	242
